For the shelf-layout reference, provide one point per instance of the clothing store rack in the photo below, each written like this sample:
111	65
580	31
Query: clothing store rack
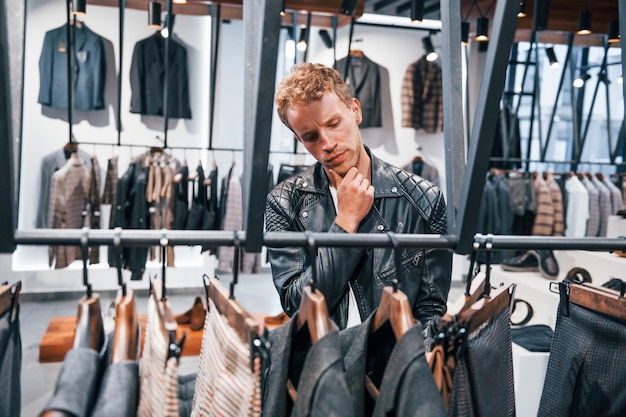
130	237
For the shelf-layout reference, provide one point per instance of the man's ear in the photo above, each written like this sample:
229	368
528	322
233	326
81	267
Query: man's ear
356	108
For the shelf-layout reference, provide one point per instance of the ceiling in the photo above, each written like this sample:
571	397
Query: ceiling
562	16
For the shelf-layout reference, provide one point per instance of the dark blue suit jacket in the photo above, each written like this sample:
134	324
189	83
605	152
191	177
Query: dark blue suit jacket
89	69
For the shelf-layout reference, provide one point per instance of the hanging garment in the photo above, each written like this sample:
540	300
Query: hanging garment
122	208
524	204
577	214
10	351
483	375
316	371
158	371
617	202
159	199
110	187
544	220
556	195
422	96
605	204
181	198
496	213
363	78
419	166
76	387
89	69
147	78
585	374
49	165
68	196
196	212
210	218
593	224
406	385
93	207
225	384
119	390
507	142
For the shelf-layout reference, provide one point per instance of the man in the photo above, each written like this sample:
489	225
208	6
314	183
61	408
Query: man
349	190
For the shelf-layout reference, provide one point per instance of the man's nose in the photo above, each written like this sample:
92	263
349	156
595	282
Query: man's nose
328	143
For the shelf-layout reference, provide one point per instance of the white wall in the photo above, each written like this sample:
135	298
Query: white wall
45	130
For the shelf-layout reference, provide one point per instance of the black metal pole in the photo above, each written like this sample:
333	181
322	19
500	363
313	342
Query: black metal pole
69	48
122	7
166	57
216	23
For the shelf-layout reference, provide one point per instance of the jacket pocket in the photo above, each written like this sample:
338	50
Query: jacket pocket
410	262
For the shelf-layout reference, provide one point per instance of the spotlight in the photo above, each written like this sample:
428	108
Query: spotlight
584	23
431	55
482	29
580	81
554	63
465	27
614	35
347	7
154	14
620	79
522	9
80	6
417	10
301	46
282	8
179	1
328	42
541	11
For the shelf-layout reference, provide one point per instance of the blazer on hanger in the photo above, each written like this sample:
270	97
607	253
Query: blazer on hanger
89	69
364	81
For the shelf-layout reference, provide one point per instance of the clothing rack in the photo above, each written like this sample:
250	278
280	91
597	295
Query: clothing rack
130	237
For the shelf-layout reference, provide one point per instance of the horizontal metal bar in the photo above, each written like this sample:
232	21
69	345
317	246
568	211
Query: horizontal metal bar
130	237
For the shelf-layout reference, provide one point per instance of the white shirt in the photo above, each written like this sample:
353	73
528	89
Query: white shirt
354	317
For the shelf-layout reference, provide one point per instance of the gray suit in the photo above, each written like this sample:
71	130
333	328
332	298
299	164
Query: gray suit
406	386
89	69
321	387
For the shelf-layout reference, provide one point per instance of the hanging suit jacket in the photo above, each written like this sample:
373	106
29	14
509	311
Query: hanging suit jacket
322	389
407	386
364	81
89	69
422	96
181	199
49	165
147	79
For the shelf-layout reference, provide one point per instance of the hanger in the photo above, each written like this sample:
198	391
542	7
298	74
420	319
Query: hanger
394	307
89	330
9	298
601	300
236	262
313	311
356	53
125	333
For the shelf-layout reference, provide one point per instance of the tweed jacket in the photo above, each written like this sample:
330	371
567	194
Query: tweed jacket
322	389
403	203
407	387
147	78
49	165
422	99
89	69
68	198
363	77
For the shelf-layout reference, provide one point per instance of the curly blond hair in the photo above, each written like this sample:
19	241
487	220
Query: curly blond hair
309	82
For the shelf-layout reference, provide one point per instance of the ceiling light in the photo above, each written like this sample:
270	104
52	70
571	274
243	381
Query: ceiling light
347	7
614	35
584	23
482	29
282	8
80	6
522	9
580	81
417	10
429	49
465	28
554	63
620	79
154	14
301	46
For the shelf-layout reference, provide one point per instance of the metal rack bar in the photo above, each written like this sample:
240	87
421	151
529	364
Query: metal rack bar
131	237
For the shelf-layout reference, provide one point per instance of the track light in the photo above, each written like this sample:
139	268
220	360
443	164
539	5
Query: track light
301	46
154	14
417	10
522	9
465	27
580	81
554	63
80	6
620	79
541	11
482	29
614	35
584	23
328	42
429	49
347	7
179	1
282	8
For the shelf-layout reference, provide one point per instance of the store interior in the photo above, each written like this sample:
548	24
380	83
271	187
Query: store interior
535	102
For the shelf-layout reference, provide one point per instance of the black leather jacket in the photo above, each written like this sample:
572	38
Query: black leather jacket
403	203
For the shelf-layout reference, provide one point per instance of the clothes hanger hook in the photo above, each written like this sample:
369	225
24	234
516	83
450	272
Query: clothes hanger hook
163	242
117	251
312	247
398	260
84	249
237	246
470	274
488	248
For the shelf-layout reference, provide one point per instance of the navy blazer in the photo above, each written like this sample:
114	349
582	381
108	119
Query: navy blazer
147	79
322	389
407	387
89	69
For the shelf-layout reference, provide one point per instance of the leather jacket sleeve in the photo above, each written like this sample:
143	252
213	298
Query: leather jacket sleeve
291	268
